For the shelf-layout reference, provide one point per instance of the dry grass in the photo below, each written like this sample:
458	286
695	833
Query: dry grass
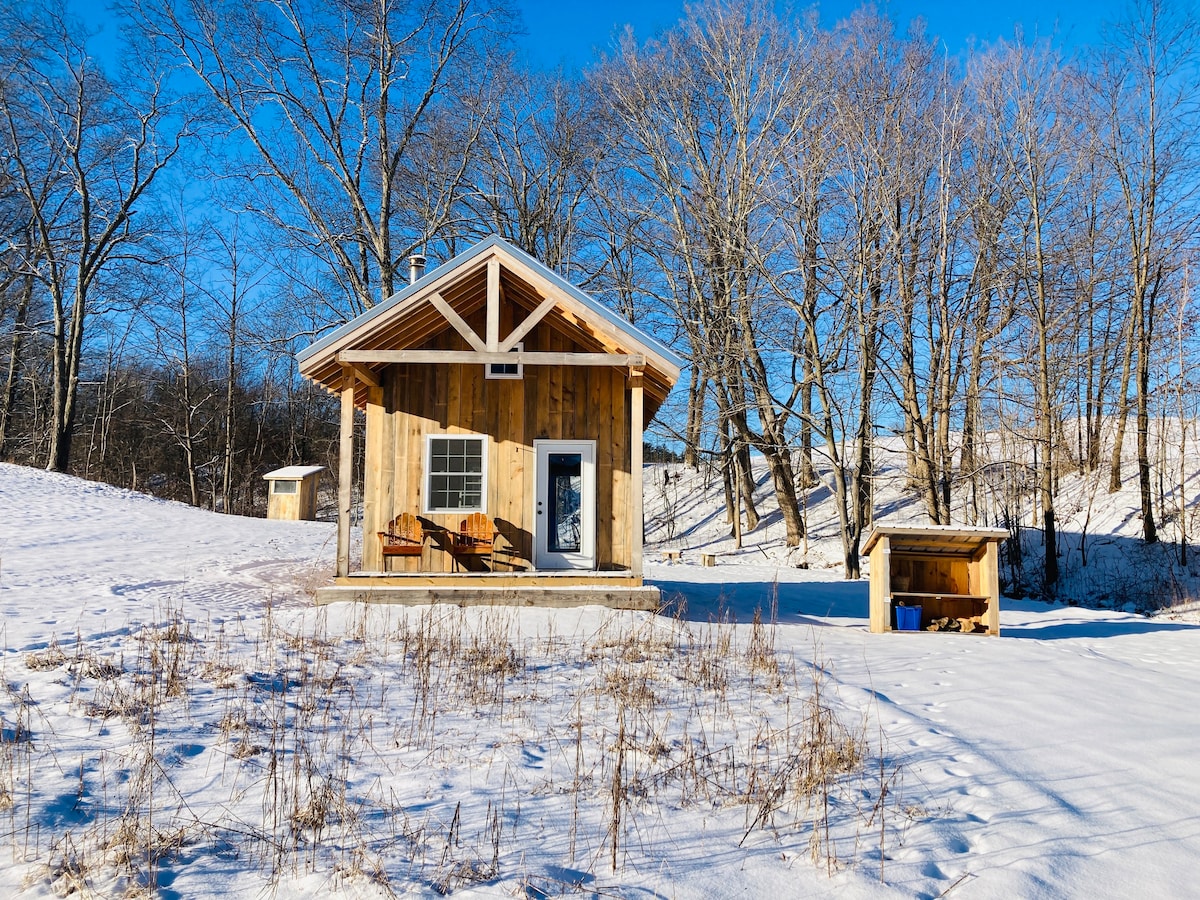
641	720
50	658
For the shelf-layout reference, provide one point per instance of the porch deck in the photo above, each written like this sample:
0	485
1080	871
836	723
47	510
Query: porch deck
561	590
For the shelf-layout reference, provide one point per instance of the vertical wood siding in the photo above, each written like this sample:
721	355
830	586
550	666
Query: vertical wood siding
548	402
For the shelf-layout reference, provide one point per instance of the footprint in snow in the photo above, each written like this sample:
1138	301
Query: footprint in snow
184	751
122	590
970	789
932	870
958	844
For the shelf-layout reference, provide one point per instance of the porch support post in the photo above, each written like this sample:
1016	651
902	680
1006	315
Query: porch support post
345	471
989	569
637	525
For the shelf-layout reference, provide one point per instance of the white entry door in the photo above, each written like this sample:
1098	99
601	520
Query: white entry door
564	513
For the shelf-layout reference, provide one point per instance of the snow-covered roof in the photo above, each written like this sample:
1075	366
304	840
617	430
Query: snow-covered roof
293	472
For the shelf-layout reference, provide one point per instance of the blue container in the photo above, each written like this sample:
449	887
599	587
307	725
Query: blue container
908	618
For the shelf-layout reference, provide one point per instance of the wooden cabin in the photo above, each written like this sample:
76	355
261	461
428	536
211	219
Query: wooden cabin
951	574
505	410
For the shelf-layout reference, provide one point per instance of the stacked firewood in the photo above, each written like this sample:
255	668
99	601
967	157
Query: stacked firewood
967	625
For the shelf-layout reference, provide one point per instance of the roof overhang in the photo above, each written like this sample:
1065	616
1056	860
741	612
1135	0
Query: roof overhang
393	331
942	539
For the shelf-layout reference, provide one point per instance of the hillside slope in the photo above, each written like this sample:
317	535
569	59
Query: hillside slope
177	716
1102	558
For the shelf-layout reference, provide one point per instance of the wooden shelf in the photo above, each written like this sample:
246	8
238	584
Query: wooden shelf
936	595
940	604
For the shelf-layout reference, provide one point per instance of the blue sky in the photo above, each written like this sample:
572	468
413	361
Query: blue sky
567	31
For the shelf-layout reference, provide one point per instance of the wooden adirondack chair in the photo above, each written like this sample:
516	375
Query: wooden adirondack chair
476	536
404	536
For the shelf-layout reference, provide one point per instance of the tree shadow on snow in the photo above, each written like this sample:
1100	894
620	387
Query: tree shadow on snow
1119	626
808	602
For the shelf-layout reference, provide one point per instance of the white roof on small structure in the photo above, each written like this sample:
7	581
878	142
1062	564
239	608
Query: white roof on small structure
293	473
933	537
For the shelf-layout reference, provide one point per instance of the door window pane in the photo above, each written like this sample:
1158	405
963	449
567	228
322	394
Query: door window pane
565	471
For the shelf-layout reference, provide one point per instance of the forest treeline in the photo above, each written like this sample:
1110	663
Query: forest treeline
848	232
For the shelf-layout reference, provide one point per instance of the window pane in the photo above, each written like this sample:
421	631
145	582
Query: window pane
505	370
456	473
472	491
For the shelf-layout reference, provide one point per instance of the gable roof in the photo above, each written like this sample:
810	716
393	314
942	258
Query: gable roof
418	311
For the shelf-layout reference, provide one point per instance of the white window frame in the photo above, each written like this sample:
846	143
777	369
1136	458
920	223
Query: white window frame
427	474
490	373
277	487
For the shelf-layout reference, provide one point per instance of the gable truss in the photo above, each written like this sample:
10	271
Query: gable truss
491	343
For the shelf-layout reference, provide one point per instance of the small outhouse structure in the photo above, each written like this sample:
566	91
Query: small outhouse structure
292	492
505	411
936	572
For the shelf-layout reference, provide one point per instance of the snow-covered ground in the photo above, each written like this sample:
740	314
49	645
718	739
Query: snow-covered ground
176	713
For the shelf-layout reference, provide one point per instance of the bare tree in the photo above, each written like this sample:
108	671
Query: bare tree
1034	98
177	320
82	151
986	191
708	111
921	134
531	178
844	334
233	298
361	114
1147	84
16	298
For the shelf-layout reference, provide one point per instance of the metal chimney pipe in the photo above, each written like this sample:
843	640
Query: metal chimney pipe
416	268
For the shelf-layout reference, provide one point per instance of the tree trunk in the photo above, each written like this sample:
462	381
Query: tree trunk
9	399
68	348
694	429
230	418
1122	414
746	475
1144	336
